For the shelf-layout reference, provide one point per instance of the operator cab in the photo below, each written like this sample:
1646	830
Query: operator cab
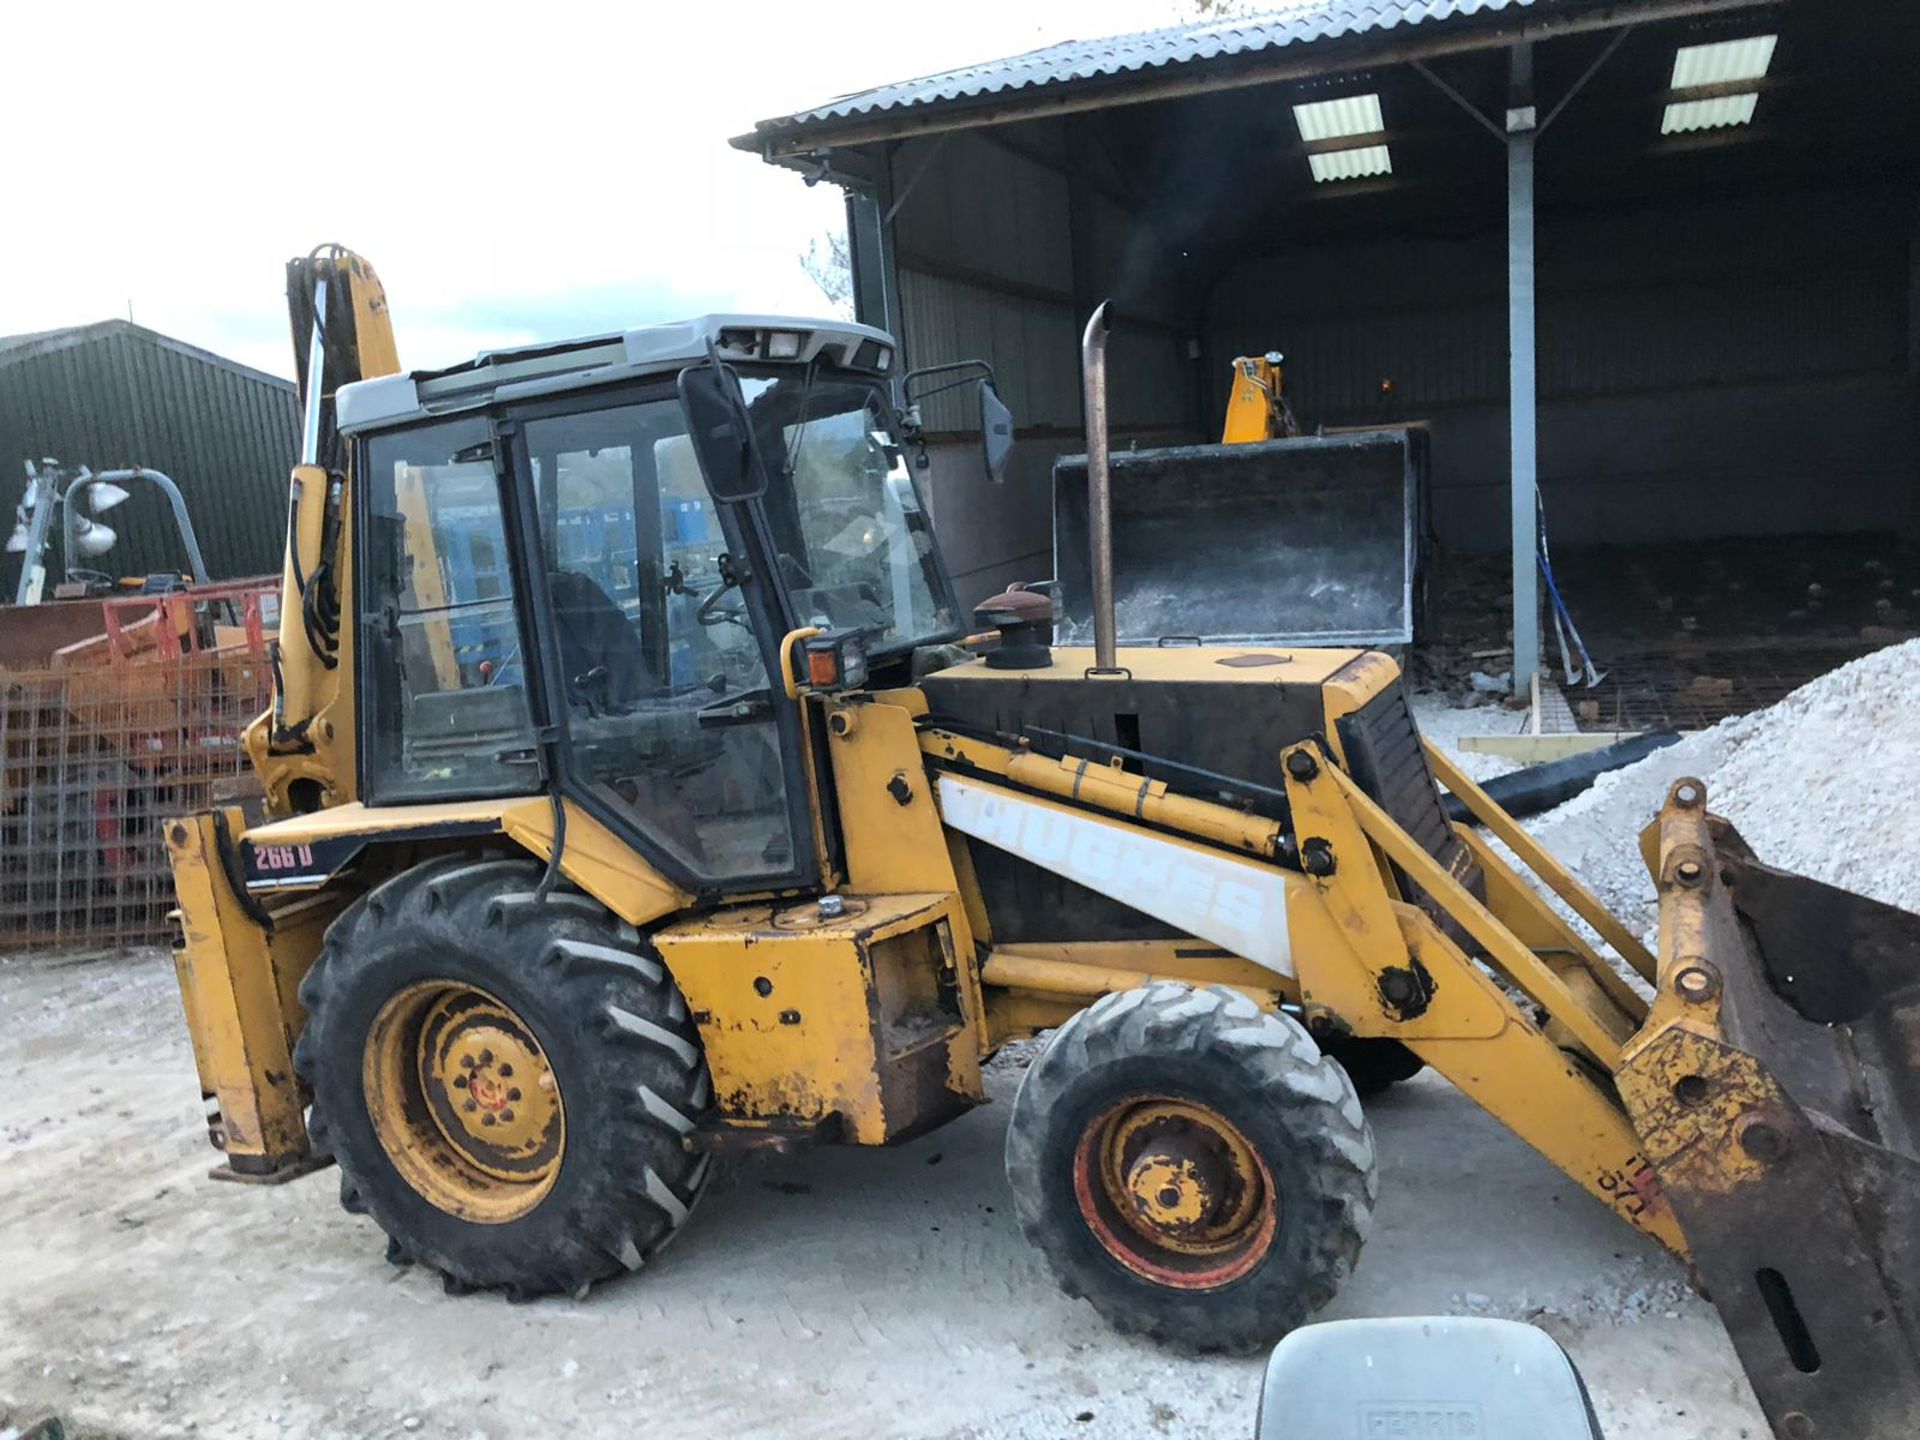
578	562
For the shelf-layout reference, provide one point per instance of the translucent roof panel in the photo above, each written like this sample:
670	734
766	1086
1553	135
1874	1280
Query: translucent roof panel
1356	164
1723	61
1332	119
1715	114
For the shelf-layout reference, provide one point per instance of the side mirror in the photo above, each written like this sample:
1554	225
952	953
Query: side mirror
721	432
1440	1375
996	420
996	432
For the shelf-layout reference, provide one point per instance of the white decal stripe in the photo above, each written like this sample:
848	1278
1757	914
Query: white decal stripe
1236	904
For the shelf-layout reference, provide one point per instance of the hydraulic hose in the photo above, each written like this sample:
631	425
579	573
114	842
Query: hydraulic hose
1539	788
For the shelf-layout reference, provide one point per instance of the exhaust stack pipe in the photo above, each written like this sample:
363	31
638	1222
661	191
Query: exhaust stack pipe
1093	368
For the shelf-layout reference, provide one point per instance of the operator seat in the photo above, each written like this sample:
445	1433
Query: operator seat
595	634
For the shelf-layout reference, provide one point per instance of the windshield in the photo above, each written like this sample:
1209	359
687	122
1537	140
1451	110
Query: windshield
855	547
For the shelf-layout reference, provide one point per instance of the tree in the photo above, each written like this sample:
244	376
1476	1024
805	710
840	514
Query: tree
829	265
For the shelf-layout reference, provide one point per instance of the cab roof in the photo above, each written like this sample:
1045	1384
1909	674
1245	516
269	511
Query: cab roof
546	369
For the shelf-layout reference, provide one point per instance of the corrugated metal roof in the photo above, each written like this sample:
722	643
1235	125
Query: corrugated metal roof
1077	61
15	348
31	337
113	395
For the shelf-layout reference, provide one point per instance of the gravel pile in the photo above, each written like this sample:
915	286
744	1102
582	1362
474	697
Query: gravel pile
1825	783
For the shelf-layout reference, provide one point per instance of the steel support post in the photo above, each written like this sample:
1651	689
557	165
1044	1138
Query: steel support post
1522	380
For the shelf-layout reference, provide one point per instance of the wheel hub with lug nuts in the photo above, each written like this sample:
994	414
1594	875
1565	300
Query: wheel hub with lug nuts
499	1084
464	1101
1175	1192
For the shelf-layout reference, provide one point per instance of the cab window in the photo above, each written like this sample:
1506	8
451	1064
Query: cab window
446	710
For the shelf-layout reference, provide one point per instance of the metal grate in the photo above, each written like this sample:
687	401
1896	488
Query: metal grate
93	762
1387	757
1383	750
1702	688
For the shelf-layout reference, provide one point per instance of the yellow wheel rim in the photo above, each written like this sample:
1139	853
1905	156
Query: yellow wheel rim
1175	1192
464	1101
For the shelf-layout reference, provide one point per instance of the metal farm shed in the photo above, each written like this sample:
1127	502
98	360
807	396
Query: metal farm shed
1657	259
117	395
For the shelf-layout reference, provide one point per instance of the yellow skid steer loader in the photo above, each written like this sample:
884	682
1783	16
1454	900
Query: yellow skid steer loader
629	800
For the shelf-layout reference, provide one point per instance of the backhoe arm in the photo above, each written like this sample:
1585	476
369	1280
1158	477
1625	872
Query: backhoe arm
302	747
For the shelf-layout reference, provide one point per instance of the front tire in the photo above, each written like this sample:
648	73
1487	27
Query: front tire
1374	1064
1192	1166
508	1084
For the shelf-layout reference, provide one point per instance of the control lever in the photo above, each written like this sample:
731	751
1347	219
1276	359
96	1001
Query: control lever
751	707
592	689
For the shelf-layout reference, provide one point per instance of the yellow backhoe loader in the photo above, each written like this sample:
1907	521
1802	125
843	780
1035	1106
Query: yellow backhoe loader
629	800
1257	405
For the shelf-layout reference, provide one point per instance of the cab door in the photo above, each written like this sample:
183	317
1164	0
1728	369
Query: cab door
662	648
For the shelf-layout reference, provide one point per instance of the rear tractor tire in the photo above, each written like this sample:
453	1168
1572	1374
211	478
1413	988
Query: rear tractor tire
509	1084
1193	1166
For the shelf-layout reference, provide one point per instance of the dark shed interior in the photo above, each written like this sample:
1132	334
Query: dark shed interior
1725	315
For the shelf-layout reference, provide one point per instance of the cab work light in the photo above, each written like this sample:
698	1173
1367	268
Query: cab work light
836	660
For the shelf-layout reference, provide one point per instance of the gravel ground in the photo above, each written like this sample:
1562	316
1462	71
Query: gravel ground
839	1293
830	1294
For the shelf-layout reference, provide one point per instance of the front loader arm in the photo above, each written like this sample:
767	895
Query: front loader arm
1525	1031
1759	1117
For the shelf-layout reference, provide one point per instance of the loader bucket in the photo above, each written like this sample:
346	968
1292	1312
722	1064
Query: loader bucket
1776	1088
1307	541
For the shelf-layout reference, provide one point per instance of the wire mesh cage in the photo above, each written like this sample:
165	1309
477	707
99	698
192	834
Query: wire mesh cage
93	761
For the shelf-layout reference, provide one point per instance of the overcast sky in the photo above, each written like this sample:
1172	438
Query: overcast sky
515	173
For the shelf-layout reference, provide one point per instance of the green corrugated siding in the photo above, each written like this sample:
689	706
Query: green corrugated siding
120	396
